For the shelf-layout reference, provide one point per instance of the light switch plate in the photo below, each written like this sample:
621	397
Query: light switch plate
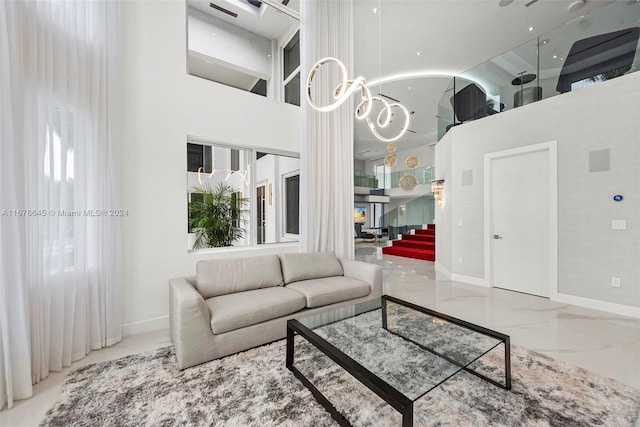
619	224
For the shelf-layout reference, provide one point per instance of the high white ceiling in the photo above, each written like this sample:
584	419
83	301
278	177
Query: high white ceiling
452	36
264	21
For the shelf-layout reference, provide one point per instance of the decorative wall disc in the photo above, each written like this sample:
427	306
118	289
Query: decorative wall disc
412	162
408	182
390	161
391	147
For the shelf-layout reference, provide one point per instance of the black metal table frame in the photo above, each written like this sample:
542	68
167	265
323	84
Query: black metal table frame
388	393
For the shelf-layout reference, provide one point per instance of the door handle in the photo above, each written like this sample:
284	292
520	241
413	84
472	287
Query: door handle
497	236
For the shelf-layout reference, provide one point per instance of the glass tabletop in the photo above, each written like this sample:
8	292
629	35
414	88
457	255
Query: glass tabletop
416	352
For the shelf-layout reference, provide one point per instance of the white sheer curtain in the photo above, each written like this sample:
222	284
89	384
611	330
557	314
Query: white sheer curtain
59	265
326	147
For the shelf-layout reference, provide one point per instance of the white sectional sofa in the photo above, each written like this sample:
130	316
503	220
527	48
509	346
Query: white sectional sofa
235	304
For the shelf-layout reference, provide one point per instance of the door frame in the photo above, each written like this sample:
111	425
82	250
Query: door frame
552	148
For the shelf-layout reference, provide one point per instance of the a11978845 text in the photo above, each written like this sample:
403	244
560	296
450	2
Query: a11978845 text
64	212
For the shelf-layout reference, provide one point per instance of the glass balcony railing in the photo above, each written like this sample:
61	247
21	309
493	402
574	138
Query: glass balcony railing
385	181
423	174
412	214
365	179
597	47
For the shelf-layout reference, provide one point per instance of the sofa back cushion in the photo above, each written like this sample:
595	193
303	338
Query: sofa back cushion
296	267
227	276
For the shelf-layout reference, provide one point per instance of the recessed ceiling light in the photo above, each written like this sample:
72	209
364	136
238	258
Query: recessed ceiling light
375	10
418	53
504	3
532	28
555	56
561	59
544	42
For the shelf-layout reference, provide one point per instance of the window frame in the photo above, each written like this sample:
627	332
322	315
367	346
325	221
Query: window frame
285	80
252	206
283	207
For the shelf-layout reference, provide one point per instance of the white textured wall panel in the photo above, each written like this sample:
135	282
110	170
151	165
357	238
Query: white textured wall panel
604	116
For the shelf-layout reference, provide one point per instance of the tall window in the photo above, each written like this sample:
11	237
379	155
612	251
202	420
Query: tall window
199	156
59	172
292	204
60	282
291	70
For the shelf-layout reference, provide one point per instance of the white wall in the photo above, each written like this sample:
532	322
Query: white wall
232	45
442	214
604	116
164	105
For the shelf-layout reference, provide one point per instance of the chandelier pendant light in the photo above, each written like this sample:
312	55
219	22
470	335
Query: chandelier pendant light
346	88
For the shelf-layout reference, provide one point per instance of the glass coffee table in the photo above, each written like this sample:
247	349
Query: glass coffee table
397	349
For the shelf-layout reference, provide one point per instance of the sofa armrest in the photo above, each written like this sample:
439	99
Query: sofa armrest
366	272
189	320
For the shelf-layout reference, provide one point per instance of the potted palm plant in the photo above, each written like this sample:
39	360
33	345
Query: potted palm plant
217	217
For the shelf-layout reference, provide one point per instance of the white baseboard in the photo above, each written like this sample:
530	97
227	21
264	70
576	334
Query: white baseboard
440	269
609	307
471	280
150	325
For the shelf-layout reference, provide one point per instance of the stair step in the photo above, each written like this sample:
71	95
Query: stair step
427	232
419	237
431	226
416	244
410	253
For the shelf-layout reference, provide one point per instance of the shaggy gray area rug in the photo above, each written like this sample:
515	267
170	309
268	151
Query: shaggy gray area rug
254	388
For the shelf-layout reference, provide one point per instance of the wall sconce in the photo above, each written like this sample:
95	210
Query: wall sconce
437	188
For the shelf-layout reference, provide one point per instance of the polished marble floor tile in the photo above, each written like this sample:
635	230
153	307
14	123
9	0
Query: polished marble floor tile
602	342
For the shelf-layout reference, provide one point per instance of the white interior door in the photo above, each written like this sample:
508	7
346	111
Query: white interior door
520	229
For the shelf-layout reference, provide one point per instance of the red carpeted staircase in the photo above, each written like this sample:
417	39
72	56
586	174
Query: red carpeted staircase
421	245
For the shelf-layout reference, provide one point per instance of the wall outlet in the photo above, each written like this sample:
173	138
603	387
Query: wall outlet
619	224
460	222
459	260
615	282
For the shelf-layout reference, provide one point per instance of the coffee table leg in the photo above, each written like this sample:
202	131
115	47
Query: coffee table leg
407	416
507	363
289	358
384	312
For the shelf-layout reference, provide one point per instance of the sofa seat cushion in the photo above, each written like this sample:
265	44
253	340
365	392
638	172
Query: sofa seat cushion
330	290
235	311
